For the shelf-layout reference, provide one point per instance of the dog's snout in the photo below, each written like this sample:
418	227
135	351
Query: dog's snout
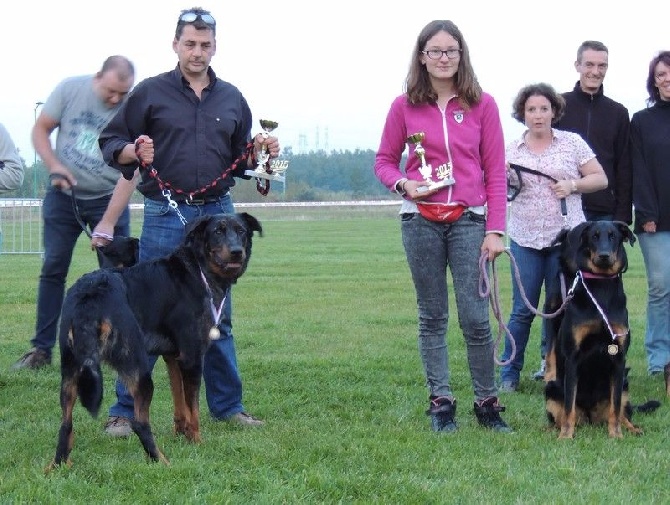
237	252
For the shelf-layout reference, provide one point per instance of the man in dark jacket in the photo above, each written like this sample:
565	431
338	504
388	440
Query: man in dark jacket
605	125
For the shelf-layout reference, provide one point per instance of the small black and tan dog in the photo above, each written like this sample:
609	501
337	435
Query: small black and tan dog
586	378
120	252
163	307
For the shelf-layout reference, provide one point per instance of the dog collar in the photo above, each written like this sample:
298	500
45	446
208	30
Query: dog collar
591	275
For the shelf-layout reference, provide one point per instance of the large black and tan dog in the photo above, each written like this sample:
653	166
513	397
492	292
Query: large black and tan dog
586	378
163	307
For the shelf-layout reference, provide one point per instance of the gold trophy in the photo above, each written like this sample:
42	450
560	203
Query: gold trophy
265	169
443	172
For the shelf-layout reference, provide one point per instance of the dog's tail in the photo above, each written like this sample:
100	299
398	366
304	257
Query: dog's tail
90	386
647	407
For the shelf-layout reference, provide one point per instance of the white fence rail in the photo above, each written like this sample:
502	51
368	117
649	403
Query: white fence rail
21	218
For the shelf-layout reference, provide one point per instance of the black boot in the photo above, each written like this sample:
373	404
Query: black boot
488	414
442	412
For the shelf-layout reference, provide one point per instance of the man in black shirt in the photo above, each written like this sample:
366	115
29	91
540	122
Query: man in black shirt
192	128
605	125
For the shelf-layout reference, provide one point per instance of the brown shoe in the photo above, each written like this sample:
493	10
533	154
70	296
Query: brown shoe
666	375
118	426
33	359
243	419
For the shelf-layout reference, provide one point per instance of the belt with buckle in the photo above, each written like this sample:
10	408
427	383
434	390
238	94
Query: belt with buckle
202	200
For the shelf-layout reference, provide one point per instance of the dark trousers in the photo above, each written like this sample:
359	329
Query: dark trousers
60	234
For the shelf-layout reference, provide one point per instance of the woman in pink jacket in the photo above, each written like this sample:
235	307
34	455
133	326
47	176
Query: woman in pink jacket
453	210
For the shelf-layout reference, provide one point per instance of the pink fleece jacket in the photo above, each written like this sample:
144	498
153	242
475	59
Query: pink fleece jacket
472	139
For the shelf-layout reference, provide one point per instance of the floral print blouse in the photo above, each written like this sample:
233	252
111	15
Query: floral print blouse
534	217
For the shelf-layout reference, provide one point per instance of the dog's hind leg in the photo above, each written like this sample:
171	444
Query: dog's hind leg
629	425
142	392
627	414
68	398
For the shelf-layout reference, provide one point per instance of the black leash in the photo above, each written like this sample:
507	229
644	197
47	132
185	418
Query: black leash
513	191
77	215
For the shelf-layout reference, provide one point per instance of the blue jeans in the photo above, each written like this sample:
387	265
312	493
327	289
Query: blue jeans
60	234
431	248
536	267
162	232
655	248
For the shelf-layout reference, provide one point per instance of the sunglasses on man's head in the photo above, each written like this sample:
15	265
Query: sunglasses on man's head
190	17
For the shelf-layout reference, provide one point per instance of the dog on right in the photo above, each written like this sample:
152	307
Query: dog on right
586	378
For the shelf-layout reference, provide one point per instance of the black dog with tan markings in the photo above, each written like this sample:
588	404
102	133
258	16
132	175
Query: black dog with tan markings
121	252
586	378
161	307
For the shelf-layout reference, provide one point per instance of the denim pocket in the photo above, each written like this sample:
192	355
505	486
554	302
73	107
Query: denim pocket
155	207
225	203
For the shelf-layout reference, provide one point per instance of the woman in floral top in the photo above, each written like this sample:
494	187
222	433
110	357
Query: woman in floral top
536	215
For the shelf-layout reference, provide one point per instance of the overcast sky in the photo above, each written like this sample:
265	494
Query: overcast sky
325	71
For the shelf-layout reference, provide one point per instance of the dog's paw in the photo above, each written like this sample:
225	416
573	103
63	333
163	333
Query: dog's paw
567	432
53	466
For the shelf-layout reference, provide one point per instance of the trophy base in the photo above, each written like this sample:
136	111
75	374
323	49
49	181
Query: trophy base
264	175
436	185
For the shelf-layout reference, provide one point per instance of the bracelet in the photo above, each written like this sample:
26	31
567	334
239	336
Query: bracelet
573	186
97	234
401	183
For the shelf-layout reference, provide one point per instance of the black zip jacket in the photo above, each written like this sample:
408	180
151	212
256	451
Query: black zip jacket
605	125
650	141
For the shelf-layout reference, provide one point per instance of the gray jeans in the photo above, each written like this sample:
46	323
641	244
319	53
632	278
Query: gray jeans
430	248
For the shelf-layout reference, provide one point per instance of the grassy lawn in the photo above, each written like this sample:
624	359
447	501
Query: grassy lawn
325	327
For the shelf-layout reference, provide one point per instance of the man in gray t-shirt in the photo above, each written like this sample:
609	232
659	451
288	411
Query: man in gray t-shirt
79	107
11	166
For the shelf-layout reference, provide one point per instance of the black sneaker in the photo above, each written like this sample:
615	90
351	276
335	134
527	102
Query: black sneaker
488	414
442	411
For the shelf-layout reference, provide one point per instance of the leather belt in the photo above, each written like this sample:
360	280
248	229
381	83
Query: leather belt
202	200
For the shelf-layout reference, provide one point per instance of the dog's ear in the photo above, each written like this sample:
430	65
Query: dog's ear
626	233
560	238
252	223
195	228
584	231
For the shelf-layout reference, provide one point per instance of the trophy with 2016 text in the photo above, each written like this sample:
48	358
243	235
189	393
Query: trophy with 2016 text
265	169
443	172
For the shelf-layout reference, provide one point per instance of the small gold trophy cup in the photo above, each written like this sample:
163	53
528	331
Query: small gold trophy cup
265	169
443	172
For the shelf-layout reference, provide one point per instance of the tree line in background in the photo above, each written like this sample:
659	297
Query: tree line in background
313	176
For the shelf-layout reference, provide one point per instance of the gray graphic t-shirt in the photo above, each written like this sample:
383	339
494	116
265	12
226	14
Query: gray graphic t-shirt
82	116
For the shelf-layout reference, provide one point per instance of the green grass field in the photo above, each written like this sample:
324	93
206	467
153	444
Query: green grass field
325	326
